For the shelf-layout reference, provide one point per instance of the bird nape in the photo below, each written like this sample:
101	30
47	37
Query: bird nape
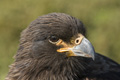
55	47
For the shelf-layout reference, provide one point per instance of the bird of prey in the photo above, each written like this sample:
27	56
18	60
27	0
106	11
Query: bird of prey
55	47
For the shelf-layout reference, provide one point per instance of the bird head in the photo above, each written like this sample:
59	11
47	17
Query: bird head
57	34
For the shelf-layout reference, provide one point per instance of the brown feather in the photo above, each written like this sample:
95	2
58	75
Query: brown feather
37	59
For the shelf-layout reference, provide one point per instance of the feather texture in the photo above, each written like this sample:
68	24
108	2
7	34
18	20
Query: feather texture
37	59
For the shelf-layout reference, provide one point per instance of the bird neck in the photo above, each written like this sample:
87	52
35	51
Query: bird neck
53	68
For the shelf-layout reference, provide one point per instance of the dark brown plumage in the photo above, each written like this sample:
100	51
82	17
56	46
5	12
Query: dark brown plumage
38	59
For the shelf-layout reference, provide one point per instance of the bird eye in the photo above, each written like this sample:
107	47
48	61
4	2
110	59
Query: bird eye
53	39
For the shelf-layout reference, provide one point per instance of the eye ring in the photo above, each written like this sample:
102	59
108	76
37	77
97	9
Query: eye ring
53	39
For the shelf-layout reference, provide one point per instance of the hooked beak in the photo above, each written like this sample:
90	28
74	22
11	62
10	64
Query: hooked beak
84	48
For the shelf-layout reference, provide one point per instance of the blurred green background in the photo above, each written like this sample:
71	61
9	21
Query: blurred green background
101	18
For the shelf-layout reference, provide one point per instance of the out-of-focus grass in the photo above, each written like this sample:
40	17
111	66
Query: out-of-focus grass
101	18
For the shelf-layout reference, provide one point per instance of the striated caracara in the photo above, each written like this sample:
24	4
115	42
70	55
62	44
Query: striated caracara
54	47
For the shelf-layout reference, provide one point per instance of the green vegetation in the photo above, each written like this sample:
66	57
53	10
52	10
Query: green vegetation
101	18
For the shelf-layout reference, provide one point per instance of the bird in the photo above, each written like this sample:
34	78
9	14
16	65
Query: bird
55	47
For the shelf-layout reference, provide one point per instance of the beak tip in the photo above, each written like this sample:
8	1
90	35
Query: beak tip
93	56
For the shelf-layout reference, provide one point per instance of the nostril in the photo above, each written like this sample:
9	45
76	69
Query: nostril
77	41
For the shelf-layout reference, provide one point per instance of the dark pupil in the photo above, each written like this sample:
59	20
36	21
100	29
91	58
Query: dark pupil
77	41
54	38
